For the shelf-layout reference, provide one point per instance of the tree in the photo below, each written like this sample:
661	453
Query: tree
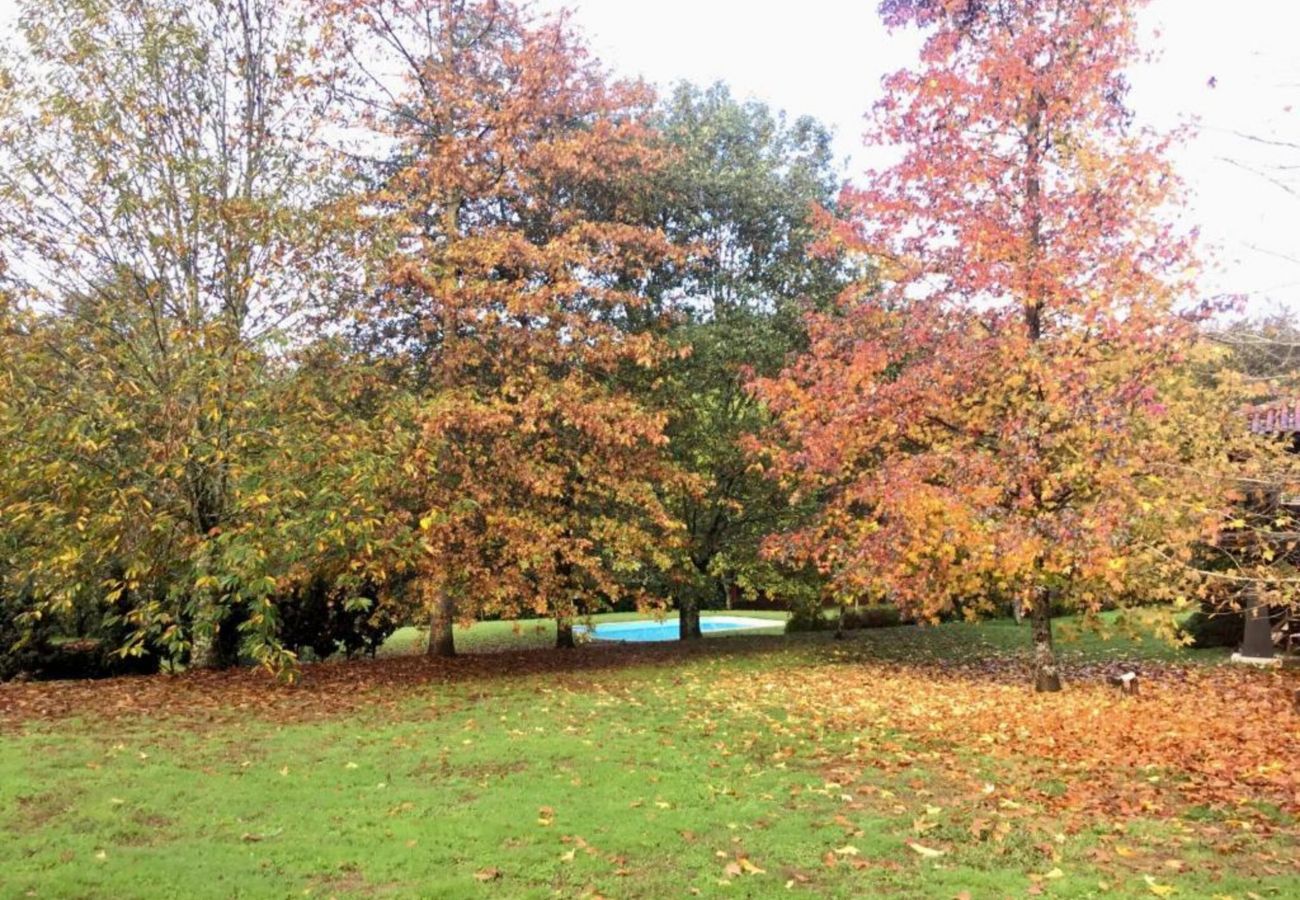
988	420
163	206
509	169
739	195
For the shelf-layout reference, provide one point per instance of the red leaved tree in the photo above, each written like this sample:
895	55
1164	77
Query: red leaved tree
499	291
985	420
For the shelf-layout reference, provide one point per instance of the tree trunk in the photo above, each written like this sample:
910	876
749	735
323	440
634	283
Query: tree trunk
442	642
839	624
564	633
689	620
216	647
1046	677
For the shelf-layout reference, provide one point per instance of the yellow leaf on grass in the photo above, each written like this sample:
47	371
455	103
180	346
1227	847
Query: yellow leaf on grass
927	852
1160	890
846	850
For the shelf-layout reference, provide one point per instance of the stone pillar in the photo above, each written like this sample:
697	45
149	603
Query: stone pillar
1257	646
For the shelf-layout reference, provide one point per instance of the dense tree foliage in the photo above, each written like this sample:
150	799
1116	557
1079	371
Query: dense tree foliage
993	421
163	217
740	195
497	291
321	317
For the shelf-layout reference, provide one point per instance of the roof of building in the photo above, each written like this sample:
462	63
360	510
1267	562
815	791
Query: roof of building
1277	418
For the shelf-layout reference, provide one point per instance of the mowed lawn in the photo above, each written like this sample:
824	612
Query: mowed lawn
907	762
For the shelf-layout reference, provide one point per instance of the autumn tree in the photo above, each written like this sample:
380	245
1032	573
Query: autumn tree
506	165
988	420
162	212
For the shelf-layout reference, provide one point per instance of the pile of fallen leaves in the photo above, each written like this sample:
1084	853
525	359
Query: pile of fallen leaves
1224	737
1219	736
323	690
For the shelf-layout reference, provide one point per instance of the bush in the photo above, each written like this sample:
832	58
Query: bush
821	619
34	649
1216	629
873	617
21	640
324	619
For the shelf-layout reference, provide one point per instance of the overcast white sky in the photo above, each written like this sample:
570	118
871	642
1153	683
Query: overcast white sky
826	57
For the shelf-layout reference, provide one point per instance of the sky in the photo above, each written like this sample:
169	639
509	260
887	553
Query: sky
826	58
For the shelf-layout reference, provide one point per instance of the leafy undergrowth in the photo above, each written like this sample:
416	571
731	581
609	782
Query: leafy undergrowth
904	763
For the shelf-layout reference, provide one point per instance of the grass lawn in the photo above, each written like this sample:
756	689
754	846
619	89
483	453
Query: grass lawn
538	634
905	762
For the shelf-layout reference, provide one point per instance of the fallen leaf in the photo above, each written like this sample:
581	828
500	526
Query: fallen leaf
1160	890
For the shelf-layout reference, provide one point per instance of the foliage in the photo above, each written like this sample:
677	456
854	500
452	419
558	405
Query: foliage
739	193
850	618
168	223
502	241
1265	348
1215	629
326	620
993	417
21	640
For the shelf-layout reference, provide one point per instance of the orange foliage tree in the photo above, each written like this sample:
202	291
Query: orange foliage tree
500	274
987	419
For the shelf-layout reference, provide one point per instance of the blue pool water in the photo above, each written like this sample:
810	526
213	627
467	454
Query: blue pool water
668	630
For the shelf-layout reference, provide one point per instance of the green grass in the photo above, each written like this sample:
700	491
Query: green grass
624	779
537	634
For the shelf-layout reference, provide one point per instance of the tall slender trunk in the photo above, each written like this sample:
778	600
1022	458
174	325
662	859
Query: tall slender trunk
442	642
1047	679
1046	676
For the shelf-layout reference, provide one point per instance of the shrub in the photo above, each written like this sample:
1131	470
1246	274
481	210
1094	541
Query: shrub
324	619
879	616
821	619
21	640
1216	629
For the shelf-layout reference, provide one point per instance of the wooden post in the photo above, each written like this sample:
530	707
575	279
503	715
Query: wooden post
1258	641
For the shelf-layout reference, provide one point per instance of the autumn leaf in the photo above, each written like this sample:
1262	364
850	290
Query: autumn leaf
926	852
1160	890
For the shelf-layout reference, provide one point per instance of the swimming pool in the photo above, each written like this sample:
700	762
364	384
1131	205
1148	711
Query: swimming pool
645	630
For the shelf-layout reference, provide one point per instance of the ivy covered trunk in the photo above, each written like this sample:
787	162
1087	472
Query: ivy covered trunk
441	640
